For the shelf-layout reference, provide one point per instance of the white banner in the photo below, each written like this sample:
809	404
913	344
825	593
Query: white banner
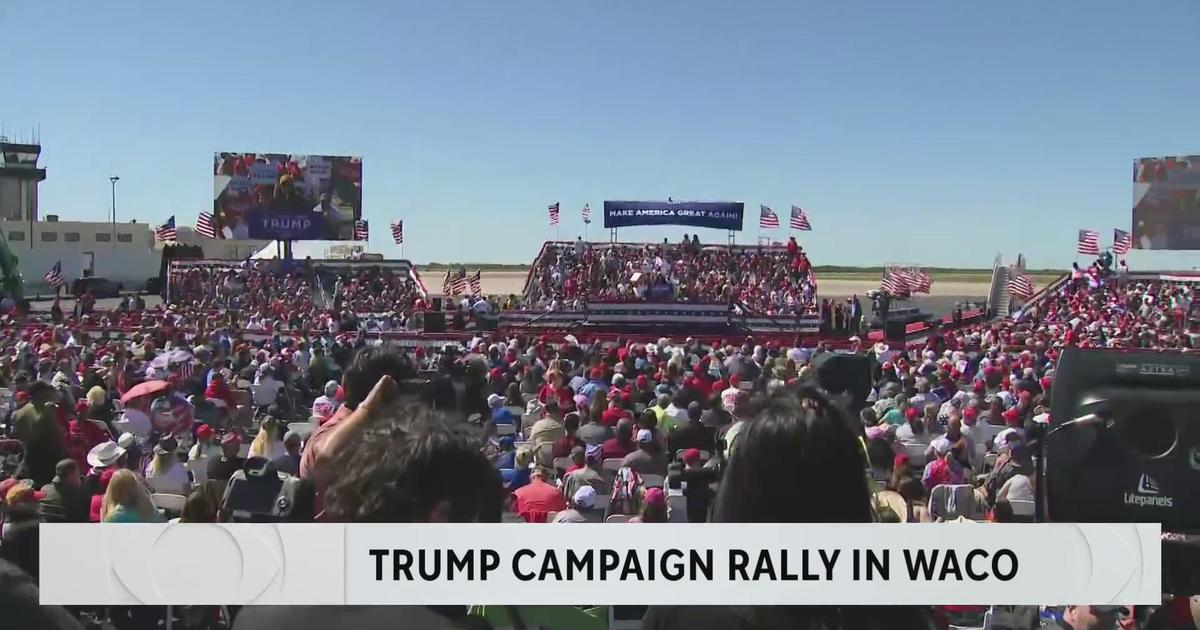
755	564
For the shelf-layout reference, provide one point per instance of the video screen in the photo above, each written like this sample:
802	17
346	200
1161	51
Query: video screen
1166	202
280	196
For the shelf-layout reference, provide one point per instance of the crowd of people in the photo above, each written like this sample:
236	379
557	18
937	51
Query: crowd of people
764	280
516	427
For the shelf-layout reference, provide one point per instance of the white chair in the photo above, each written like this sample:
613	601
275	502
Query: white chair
199	469
611	465
1022	507
617	518
305	429
915	452
653	481
506	429
168	502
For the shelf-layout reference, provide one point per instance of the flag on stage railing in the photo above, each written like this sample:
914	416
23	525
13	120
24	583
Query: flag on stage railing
1089	243
800	219
476	281
896	283
205	226
460	281
166	231
767	217
398	232
1122	242
554	213
587	213
360	230
1021	286
54	277
448	284
922	282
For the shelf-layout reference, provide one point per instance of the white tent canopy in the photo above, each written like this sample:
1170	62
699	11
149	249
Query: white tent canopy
314	249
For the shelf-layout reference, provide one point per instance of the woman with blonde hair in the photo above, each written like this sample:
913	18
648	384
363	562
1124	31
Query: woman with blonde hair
268	443
165	473
126	500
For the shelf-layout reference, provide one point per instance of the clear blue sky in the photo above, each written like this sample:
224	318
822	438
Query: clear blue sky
936	132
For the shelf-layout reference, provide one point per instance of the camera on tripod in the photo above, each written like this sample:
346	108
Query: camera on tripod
258	493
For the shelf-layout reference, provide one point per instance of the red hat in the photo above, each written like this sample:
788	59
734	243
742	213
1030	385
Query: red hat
1045	382
735	380
81	406
597	374
1010	416
910	413
970	413
689	383
887	365
691	456
642	381
22	396
204	432
899	459
495	374
978	386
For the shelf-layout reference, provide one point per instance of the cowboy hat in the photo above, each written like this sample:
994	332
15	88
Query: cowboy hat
104	454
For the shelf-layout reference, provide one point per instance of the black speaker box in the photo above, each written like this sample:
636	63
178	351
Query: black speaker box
894	330
435	321
1131	452
437	303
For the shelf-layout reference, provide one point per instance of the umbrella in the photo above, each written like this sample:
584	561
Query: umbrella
149	388
164	360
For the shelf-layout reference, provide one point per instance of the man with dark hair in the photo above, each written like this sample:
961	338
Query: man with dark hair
691	434
368	366
65	500
36	426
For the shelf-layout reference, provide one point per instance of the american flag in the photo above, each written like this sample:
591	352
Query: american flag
1122	242
448	284
767	217
1089	243
360	230
166	231
896	283
1021	286
800	219
587	213
476	280
54	277
398	232
922	282
554	213
205	226
460	282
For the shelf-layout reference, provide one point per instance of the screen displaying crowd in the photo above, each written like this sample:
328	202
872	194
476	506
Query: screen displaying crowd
275	195
762	280
158	425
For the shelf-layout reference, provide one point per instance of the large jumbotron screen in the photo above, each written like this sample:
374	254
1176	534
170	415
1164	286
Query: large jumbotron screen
280	196
1166	202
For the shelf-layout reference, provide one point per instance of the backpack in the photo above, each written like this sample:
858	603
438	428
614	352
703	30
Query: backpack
626	493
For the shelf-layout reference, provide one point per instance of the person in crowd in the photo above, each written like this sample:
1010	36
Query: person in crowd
621	444
200	507
568	442
520	474
648	458
1019	472
592	433
64	499
220	469
36	426
944	468
324	406
206	444
19	532
797	436
549	430
289	462
535	500
267	443
654	507
126	500
580	474
581	507
1089	618
692	433
165	474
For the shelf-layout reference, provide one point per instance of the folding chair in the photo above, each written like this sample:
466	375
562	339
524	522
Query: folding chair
100	425
1022	507
915	452
168	502
654	481
199	469
506	429
305	429
617	518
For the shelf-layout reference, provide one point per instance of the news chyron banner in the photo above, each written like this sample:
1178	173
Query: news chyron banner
277	196
722	215
1166	202
642	564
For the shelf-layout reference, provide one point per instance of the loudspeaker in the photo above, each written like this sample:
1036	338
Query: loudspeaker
437	303
1124	441
893	330
844	373
435	321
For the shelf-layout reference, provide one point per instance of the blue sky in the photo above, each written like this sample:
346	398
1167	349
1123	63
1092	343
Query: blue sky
937	132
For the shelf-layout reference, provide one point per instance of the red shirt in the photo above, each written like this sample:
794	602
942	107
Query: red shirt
563	446
537	498
611	417
614	449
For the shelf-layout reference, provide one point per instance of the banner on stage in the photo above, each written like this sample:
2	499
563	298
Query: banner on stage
721	215
518	564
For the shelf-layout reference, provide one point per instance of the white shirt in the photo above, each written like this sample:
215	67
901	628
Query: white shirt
173	481
266	391
1017	488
